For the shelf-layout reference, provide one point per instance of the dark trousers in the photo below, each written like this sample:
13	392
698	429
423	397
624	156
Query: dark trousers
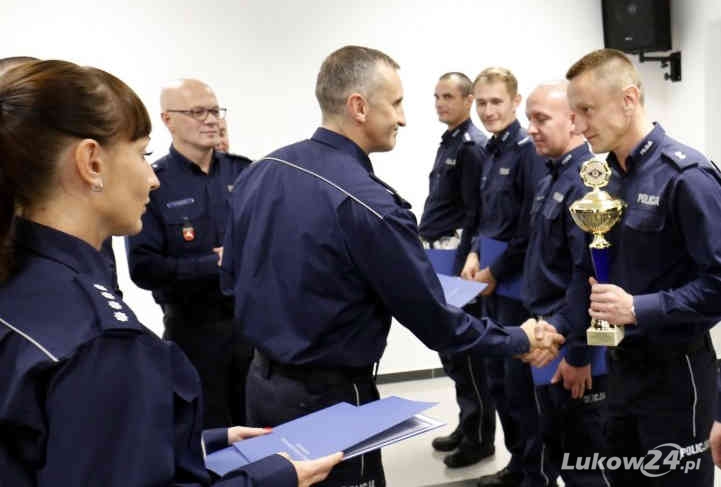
659	397
572	431
512	389
279	393
477	415
207	336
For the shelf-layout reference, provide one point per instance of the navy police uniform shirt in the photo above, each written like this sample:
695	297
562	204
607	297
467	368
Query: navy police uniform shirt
453	198
173	255
319	254
509	177
557	266
107	251
666	250
88	395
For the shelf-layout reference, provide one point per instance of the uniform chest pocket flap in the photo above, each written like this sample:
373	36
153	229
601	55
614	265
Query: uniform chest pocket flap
644	220
186	227
553	207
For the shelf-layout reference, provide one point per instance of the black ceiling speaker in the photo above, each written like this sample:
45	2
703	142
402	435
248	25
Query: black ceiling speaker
636	26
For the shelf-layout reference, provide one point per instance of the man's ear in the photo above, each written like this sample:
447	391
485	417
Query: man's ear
572	122
89	164
517	101
357	107
631	98
165	117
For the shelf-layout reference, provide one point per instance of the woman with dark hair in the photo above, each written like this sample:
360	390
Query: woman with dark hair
89	396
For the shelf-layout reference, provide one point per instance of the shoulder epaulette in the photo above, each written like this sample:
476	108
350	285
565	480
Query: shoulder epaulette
679	158
110	310
523	141
159	165
237	158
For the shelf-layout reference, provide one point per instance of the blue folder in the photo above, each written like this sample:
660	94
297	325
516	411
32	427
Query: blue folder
342	427
490	250
442	260
543	375
459	292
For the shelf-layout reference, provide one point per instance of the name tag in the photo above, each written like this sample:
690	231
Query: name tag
179	203
504	171
450	162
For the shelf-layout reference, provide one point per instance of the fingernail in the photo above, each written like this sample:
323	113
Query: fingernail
267	428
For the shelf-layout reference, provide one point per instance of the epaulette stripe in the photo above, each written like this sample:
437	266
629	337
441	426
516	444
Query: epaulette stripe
331	183
30	339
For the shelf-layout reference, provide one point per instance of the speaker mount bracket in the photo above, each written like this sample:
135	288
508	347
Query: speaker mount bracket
672	61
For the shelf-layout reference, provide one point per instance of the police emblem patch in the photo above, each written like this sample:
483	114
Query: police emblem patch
188	232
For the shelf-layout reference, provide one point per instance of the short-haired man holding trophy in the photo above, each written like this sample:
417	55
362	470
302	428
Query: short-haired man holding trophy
664	280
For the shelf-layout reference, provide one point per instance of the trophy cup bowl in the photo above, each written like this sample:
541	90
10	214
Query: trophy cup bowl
596	213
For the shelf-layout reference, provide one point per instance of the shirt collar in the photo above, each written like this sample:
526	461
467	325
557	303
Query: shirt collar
188	164
452	134
557	166
499	142
343	144
644	149
61	247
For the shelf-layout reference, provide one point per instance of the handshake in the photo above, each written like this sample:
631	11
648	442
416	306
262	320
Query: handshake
544	341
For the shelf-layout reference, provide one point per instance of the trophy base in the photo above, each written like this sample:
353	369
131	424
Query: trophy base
605	335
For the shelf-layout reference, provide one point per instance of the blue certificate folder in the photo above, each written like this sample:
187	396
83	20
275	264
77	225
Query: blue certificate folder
459	292
490	250
442	260
544	375
353	430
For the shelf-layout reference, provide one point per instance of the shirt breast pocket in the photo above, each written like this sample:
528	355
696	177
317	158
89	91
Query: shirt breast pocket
552	223
446	184
188	230
644	232
536	209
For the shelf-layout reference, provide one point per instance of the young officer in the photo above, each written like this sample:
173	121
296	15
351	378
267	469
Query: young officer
510	173
448	222
665	270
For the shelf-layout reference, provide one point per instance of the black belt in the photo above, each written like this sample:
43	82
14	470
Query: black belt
647	352
311	373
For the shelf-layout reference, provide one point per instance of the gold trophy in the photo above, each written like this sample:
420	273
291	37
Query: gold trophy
597	212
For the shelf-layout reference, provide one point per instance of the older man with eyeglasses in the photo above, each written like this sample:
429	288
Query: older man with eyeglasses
178	253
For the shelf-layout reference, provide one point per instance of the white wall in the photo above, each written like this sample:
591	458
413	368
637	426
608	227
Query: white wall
262	58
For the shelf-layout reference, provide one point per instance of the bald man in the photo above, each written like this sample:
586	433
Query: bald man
570	391
178	253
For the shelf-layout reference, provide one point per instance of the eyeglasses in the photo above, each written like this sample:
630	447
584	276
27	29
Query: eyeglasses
201	114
